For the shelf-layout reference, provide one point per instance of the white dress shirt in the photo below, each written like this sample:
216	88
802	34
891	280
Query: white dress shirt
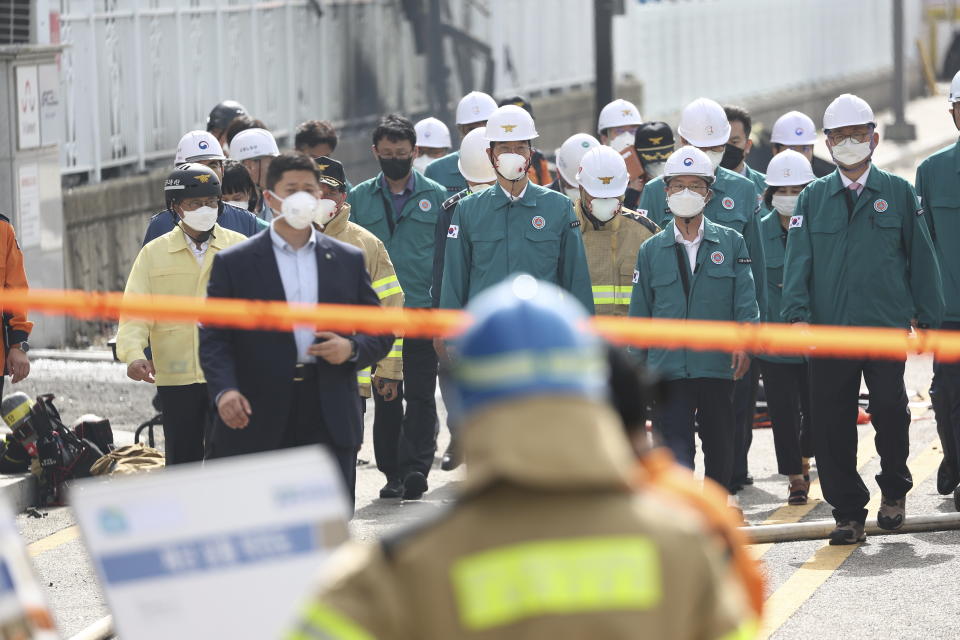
862	180
516	197
198	252
298	272
691	246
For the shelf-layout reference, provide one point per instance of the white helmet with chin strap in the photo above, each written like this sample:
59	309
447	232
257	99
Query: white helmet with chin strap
476	106
474	163
847	110
689	161
603	173
510	123
703	123
571	152
789	168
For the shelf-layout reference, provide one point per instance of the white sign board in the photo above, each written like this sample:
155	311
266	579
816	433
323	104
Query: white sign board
51	124
28	107
28	188
223	549
24	613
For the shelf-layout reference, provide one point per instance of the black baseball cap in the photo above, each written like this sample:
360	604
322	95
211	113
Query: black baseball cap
331	172
654	141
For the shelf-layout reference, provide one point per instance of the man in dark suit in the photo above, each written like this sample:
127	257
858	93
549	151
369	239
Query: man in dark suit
277	389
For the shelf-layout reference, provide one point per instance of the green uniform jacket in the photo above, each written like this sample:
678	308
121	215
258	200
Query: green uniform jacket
410	241
490	238
759	181
446	171
938	185
734	205
877	269
721	288
774	248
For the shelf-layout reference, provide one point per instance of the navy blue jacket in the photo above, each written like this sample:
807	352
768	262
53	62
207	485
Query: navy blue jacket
239	220
260	364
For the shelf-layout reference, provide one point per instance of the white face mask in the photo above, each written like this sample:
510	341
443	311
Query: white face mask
420	163
654	169
572	192
622	141
298	209
603	209
239	204
511	166
325	212
785	205
715	158
686	204
477	188
850	153
200	219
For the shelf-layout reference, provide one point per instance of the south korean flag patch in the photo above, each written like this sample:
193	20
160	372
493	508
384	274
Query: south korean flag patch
453	231
636	276
796	222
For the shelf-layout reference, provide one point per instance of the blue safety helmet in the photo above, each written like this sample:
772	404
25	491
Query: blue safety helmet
528	339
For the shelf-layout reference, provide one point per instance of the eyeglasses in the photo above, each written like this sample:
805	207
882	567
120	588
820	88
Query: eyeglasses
839	138
386	156
677	188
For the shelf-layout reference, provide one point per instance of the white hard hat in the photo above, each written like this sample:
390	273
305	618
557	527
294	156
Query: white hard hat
476	106
689	161
847	110
794	128
570	153
955	88
198	145
603	173
789	168
509	123
432	133
253	143
619	113
703	123
474	163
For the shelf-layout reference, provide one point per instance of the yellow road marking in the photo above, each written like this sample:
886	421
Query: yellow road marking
53	541
798	588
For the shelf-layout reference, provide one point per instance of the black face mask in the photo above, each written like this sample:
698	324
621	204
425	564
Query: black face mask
732	157
396	168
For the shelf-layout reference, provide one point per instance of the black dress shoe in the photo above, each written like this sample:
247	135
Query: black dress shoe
451	458
947	479
414	486
393	489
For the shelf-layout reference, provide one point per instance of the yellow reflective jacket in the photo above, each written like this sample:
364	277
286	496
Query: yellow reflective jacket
166	266
385	283
612	250
546	540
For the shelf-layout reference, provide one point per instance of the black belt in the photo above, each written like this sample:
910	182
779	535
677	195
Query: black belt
304	372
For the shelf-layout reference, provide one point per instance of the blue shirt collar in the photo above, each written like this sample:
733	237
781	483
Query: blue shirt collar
283	245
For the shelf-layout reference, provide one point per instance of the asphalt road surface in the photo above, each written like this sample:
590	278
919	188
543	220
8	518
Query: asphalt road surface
898	586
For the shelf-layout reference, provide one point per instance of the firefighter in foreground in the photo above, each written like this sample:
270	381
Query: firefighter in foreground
612	234
548	538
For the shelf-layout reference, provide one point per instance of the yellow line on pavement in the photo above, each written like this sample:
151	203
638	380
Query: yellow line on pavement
53	541
799	587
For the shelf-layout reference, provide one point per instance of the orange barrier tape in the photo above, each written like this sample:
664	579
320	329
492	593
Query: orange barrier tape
779	339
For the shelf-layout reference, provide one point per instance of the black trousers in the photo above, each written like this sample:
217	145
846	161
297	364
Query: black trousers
788	403
406	441
834	391
305	426
187	412
945	396
744	409
709	402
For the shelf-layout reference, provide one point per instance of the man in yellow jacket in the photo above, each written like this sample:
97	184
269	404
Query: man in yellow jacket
177	263
333	219
612	234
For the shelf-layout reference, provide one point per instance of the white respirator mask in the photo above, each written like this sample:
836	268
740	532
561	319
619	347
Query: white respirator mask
201	219
850	153
785	205
420	163
511	166
622	141
239	204
686	204
299	209
716	157
654	169
603	209
325	212
572	192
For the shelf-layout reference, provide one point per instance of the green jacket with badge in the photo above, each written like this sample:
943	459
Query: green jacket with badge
491	237
774	249
721	287
759	181
409	239
446	171
733	205
869	264
938	185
